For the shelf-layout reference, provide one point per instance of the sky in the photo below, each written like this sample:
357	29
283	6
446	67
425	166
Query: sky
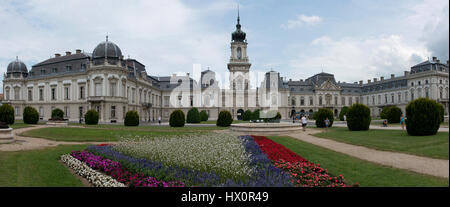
352	39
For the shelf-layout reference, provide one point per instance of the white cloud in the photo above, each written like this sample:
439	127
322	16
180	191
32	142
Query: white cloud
302	20
353	59
166	36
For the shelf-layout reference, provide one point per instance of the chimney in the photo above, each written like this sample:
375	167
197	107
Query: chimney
360	82
406	73
174	75
57	55
381	78
290	79
68	53
355	82
434	59
78	51
368	81
301	80
374	80
187	74
438	61
392	76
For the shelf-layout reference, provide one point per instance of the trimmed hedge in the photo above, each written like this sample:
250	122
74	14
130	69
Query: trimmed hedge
193	116
225	119
204	115
393	114
91	117
343	112
132	118
441	112
358	117
30	115
57	114
177	119
247	115
321	115
423	117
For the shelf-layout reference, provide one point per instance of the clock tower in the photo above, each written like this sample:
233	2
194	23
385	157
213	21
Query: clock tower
239	67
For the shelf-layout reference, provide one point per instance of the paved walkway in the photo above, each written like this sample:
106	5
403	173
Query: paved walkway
31	143
372	126
424	165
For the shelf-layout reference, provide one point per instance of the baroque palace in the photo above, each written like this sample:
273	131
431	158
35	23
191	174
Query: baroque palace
103	80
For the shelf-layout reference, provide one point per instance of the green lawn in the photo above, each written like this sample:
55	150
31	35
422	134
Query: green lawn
111	132
356	170
435	146
37	168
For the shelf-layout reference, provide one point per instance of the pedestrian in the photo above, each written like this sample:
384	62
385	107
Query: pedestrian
385	123
402	122
304	122
345	119
327	123
159	120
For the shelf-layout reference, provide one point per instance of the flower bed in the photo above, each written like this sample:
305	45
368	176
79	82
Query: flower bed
303	173
116	171
95	178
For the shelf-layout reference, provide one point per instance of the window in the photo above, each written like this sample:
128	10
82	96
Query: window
54	70
16	109
81	92
53	93
399	97
392	98
66	111
336	101
320	100
373	100
419	83
113	88
7	94
133	95
343	101
41	111
98	89
239	53
113	111
350	101
440	94
427	93
293	101
440	81
311	101
42	71
16	93
66	93
68	68
41	94
385	98
302	101
426	81
83	66
379	99
30	95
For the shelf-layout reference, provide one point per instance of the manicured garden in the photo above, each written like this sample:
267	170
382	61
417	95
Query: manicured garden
358	171
435	146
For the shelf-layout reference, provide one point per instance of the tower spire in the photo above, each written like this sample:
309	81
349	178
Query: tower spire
238	19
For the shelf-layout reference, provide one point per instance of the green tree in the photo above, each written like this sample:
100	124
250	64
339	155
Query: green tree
225	119
30	115
193	116
358	117
177	118
91	117
321	115
132	118
423	117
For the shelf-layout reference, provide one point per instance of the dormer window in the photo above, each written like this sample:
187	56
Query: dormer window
54	70
68	68
42	71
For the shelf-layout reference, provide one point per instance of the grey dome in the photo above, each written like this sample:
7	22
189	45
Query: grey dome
17	66
108	49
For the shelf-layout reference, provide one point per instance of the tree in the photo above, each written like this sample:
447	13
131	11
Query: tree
247	115
193	116
204	115
423	117
358	117
321	115
177	118
225	119
91	117
57	114
132	118
30	115
393	114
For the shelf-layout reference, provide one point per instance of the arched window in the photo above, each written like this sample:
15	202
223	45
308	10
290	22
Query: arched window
239	53
320	100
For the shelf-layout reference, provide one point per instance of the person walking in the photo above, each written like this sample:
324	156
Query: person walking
304	123
345	119
327	123
159	120
402	122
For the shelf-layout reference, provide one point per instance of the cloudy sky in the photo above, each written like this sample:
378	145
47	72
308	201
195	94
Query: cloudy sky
354	40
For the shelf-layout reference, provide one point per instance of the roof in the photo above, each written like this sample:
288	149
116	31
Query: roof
64	58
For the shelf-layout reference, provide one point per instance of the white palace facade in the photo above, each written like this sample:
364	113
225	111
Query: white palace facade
107	82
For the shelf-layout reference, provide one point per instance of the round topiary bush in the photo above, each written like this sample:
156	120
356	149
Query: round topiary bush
441	112
225	119
204	115
193	116
30	115
423	117
384	112
7	114
255	115
358	117
393	115
321	115
91	117
177	119
57	115
343	112
247	115
132	118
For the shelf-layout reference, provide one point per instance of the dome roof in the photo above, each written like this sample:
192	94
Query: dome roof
108	49
238	35
17	66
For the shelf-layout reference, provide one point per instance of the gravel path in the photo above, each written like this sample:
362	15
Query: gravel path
30	143
423	165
